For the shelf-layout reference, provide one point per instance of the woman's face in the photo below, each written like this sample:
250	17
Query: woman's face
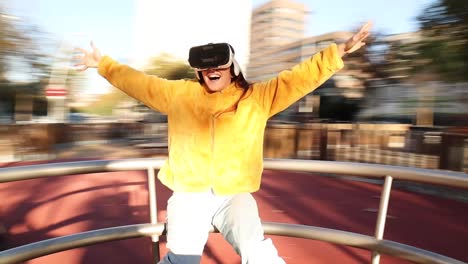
217	79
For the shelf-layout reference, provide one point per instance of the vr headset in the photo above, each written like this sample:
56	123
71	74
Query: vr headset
213	56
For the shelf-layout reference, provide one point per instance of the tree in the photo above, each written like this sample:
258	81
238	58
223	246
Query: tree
437	51
399	57
444	27
168	67
105	105
24	65
9	36
20	44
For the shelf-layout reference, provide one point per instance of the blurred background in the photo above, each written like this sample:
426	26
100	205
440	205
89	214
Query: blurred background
401	100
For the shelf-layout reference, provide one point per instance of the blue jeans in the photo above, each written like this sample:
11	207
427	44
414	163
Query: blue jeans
191	215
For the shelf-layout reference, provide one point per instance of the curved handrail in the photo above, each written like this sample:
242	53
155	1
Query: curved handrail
75	167
438	177
53	245
368	170
58	244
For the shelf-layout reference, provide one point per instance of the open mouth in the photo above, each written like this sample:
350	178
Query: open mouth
214	76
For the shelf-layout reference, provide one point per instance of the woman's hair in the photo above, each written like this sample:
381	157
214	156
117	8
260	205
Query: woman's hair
241	81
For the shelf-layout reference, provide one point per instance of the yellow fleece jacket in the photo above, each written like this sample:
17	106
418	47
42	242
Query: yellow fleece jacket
216	139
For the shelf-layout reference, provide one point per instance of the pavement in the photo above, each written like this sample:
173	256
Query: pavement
39	209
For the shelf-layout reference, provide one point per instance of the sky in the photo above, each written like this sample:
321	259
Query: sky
109	23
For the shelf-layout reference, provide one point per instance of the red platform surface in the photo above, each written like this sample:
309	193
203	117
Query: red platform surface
34	210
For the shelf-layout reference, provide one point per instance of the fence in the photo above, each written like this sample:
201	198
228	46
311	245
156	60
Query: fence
390	144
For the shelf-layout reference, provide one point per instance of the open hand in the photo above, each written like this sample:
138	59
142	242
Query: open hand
356	41
88	59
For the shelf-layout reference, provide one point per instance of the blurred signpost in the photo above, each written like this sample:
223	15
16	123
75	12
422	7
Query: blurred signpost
56	95
57	90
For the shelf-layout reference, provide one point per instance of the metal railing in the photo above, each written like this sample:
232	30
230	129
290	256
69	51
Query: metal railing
154	229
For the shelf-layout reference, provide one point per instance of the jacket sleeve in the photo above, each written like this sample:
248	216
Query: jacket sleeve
151	90
291	85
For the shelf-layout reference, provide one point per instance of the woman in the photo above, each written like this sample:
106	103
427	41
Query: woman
216	127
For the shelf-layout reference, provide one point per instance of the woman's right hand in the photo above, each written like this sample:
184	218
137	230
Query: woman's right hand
88	59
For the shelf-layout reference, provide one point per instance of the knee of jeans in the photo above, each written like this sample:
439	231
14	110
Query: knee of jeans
172	258
242	211
261	252
243	201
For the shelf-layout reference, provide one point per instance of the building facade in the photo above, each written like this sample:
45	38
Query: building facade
278	42
270	62
274	24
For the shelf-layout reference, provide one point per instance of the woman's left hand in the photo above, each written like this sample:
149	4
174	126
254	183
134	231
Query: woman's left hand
356	41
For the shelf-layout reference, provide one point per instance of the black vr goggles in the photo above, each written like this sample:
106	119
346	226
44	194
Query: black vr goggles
211	56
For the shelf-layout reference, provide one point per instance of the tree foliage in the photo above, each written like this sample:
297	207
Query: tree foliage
105	105
168	67
20	44
437	51
444	28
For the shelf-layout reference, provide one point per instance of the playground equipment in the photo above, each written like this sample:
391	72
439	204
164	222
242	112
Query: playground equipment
376	244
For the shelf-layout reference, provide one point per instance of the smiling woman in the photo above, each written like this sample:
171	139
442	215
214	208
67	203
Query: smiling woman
212	178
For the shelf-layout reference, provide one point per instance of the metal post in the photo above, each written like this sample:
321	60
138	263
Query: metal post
382	216
153	212
323	142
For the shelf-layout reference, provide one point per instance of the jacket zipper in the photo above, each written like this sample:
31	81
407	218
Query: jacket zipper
213	117
213	123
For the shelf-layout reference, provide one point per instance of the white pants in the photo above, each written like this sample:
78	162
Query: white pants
191	215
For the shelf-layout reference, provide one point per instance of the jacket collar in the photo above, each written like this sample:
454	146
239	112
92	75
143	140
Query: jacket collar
232	89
